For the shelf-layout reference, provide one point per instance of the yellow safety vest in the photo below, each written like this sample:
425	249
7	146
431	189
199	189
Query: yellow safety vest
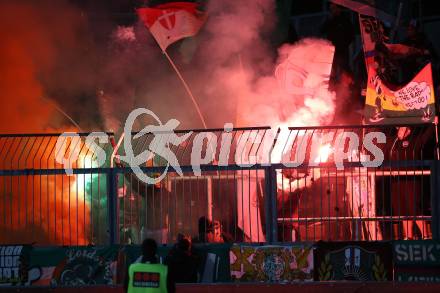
149	278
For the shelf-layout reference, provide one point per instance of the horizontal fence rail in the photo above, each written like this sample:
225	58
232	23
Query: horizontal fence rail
256	185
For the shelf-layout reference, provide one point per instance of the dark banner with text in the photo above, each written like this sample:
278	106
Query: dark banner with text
417	261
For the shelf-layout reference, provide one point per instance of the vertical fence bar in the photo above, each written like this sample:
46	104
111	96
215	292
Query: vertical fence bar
435	203
112	198
271	204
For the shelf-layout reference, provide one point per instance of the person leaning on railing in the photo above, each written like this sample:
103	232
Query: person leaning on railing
182	261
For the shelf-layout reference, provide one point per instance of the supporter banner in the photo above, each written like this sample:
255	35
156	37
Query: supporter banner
355	261
82	266
214	260
271	263
14	264
413	103
417	261
424	253
75	266
430	275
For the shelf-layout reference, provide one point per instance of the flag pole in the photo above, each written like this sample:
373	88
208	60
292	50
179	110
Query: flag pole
204	125
186	88
62	112
191	95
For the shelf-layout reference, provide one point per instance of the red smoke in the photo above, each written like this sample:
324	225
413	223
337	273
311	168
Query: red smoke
23	51
33	36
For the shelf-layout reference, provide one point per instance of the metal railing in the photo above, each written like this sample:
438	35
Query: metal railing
391	201
251	194
40	203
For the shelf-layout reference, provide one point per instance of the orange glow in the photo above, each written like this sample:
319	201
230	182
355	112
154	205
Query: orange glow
46	209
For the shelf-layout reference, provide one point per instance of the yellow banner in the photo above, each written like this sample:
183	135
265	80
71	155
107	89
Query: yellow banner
414	100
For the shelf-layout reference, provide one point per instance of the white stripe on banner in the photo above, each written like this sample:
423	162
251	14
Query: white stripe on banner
208	272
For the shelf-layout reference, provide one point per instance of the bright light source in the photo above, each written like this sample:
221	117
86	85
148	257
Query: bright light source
83	180
324	153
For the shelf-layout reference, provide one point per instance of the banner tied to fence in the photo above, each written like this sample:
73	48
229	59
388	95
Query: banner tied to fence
14	261
353	261
271	263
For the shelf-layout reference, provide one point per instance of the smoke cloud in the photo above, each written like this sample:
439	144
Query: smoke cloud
23	52
48	60
95	78
46	63
229	66
54	57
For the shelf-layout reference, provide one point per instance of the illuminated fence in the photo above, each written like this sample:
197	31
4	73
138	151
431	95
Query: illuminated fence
391	201
244	192
225	202
40	203
312	201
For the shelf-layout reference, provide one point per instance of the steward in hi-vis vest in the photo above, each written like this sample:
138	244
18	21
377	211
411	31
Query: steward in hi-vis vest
147	277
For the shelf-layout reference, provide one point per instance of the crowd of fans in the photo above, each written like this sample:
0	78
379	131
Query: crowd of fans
183	262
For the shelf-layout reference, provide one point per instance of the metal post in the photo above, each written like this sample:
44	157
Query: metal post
112	197
209	191
396	22
436	138
435	202
271	204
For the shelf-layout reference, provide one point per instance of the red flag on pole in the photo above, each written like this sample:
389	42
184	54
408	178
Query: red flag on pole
172	21
169	23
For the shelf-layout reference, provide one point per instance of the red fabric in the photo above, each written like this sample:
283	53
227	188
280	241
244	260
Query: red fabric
150	15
